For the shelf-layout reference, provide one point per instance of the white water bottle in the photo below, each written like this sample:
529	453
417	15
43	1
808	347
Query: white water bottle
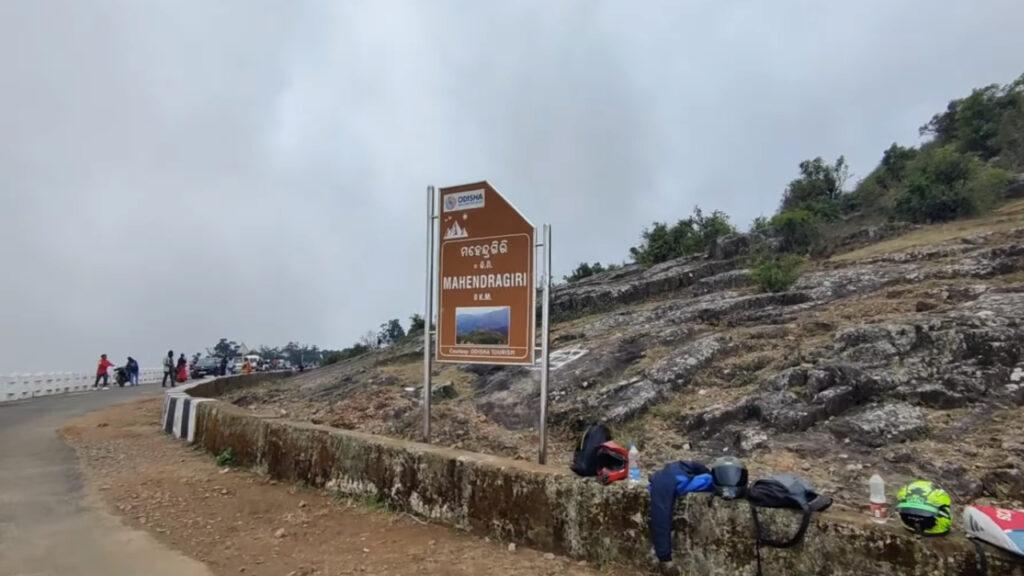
634	464
879	509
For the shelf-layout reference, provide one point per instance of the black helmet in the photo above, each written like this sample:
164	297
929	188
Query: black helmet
730	477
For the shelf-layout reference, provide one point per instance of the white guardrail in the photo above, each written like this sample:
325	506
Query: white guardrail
23	386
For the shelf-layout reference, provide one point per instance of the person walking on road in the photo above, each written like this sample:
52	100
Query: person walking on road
182	368
168	369
132	368
101	372
247	367
223	365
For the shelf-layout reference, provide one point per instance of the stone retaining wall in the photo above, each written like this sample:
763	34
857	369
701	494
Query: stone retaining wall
552	510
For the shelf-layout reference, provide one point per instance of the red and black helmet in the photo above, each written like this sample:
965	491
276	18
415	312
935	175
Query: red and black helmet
612	463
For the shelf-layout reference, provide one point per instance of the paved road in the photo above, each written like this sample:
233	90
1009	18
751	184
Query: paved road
48	525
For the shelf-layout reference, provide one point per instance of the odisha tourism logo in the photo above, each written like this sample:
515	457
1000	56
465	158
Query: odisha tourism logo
464	200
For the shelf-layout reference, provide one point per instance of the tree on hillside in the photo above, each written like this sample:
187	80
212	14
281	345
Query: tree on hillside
688	236
818	188
657	246
416	323
390	332
333	356
269	352
710	228
225	349
295	352
292	352
760	225
797	231
972	124
370	340
585	270
944	184
871	192
894	164
1010	139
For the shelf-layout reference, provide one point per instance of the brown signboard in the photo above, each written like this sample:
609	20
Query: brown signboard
486	288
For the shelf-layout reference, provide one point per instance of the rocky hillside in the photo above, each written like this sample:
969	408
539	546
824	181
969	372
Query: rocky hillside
903	354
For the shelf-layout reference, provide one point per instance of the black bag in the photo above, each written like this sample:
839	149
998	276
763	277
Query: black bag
784	491
584	459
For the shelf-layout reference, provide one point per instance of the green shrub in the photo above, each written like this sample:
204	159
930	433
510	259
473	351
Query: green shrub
988	186
975	124
226	457
688	236
818	189
335	356
893	167
658	246
797	230
1010	138
943	184
777	274
585	270
332	357
869	193
825	210
416	323
923	202
760	225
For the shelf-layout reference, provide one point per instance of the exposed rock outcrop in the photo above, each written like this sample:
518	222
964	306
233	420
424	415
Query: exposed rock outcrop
905	356
632	284
882	425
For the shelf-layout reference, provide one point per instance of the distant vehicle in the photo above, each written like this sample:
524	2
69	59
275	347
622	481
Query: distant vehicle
279	364
254	361
207	366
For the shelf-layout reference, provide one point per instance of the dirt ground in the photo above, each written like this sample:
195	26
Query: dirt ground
239	522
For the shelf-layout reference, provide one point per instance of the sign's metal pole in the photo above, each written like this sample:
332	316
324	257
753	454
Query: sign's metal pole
428	314
545	346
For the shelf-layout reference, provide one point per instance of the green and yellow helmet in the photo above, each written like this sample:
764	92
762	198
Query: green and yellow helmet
924	508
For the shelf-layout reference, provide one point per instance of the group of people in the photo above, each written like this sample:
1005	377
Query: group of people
174	371
130	372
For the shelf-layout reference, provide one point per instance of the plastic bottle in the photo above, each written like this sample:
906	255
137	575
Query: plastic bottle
634	464
879	508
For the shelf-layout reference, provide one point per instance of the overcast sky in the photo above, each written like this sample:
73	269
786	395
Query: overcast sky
173	172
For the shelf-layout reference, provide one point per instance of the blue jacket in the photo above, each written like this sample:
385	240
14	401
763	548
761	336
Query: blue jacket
674	480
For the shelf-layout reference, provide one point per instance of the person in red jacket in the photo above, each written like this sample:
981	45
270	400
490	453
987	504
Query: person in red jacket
182	369
101	371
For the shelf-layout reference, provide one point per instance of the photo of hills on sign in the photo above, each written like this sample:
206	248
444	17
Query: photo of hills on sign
482	325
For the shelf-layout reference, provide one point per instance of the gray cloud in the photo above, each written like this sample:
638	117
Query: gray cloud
173	172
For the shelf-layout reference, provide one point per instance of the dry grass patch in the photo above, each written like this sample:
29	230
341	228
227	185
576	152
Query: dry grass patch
1004	219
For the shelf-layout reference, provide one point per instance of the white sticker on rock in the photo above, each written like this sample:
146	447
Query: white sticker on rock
560	358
